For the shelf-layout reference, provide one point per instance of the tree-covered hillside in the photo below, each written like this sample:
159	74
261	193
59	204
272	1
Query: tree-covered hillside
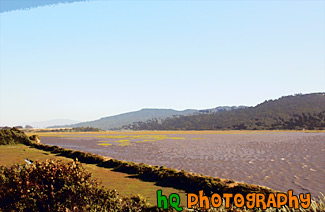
117	121
289	112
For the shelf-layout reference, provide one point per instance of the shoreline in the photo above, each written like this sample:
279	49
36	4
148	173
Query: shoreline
266	159
184	180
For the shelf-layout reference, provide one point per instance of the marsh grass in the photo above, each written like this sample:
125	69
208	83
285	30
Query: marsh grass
184	180
190	182
165	132
121	141
105	144
130	139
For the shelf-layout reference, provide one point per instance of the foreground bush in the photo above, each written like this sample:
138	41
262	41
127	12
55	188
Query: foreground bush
184	180
57	186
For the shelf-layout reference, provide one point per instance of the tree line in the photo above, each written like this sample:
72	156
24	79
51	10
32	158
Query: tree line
290	112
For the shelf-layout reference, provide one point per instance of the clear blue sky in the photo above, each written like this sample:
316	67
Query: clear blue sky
88	60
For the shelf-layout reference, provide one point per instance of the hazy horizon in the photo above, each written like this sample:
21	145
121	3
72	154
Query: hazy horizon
35	123
63	121
91	59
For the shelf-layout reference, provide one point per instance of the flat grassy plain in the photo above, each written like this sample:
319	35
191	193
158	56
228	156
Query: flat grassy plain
47	132
125	184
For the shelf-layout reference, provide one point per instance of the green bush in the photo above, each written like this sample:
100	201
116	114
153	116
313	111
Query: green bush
57	186
13	136
190	182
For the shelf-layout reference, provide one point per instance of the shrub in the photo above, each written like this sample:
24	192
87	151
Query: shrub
13	136
57	186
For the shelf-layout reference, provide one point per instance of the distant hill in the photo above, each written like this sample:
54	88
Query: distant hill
117	121
113	122
288	112
44	124
220	109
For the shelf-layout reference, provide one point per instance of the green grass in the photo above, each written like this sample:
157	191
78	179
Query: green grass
105	144
124	183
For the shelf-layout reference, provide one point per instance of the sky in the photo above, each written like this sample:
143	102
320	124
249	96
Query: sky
91	59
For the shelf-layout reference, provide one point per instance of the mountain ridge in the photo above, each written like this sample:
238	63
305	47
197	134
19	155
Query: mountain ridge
117	121
52	122
288	112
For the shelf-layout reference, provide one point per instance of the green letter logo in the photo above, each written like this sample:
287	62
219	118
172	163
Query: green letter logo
162	201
